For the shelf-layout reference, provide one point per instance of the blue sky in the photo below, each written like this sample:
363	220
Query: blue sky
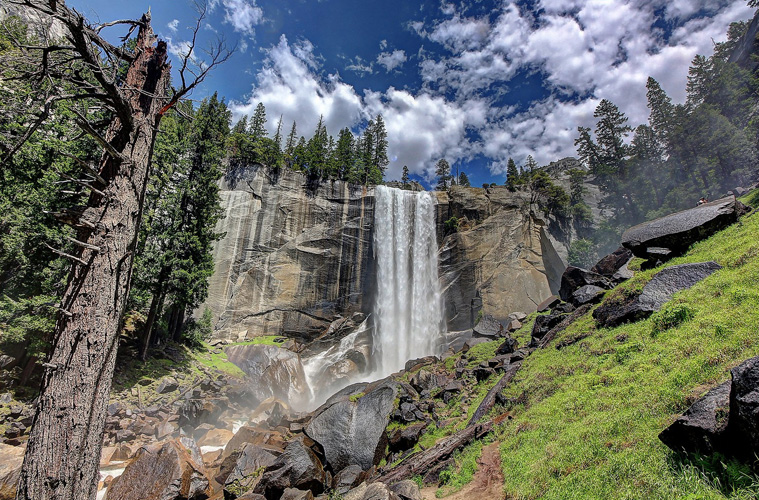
475	82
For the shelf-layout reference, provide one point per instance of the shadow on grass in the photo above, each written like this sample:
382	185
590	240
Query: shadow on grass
733	478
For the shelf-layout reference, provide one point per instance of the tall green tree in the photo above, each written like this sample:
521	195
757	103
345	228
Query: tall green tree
443	173
512	175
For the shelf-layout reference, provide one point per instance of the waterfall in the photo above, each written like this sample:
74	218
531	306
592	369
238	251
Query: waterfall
408	308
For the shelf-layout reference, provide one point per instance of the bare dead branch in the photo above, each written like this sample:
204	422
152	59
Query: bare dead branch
87	127
66	255
83	244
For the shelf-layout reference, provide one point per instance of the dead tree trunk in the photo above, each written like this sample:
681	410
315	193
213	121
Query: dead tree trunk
63	453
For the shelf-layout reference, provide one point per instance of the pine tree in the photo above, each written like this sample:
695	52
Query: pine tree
443	173
379	155
464	180
405	177
258	123
512	175
290	147
344	153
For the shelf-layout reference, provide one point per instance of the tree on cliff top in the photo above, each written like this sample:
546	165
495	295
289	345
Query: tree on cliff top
443	173
86	72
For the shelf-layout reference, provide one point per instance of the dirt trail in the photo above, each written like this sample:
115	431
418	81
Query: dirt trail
487	483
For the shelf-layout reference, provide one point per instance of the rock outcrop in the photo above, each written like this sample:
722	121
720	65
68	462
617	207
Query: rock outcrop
655	294
669	236
294	255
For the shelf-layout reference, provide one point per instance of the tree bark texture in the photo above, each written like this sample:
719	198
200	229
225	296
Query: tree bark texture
63	454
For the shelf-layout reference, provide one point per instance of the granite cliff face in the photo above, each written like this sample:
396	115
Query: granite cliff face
297	254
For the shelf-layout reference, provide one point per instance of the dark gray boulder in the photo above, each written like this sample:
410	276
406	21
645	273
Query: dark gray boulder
509	345
543	324
575	278
405	438
296	494
272	371
587	294
347	479
744	408
246	463
374	491
352	429
488	326
655	294
702	427
298	467
614	263
678	231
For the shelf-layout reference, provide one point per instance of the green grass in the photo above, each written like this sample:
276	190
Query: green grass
262	340
462	472
589	414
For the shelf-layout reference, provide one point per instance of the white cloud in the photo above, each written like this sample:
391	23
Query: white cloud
421	128
392	60
243	15
585	50
173	25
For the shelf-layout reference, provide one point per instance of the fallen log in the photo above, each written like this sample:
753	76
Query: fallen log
421	463
489	400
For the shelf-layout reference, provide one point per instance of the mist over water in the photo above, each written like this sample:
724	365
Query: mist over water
408	312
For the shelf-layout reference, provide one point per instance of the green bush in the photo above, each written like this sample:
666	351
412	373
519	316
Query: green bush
670	316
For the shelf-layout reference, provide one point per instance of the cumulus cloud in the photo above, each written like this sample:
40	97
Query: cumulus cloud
584	51
243	15
392	60
173	24
421	128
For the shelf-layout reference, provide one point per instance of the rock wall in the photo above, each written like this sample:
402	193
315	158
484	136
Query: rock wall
504	258
295	254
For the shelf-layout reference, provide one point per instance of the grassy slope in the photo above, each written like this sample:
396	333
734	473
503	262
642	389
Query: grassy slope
594	409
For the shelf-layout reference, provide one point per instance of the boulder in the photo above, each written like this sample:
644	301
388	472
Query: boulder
298	467
518	316
167	384
164	471
347	479
744	407
272	440
405	438
11	458
216	437
374	491
351	430
678	231
614	265
575	278
513	325
423	380
547	304
702	427
196	412
587	294
407	490
296	494
544	323
488	327
272	371
509	345
655	294
240	471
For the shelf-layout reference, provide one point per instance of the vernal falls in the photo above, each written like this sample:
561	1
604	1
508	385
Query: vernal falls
407	319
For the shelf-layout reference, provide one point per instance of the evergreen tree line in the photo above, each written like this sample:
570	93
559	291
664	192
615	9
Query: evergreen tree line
358	160
702	148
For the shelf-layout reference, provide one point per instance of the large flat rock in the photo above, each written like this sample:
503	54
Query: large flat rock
678	231
272	372
655	294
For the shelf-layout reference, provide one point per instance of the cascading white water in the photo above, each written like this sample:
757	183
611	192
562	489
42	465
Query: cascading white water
408	309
